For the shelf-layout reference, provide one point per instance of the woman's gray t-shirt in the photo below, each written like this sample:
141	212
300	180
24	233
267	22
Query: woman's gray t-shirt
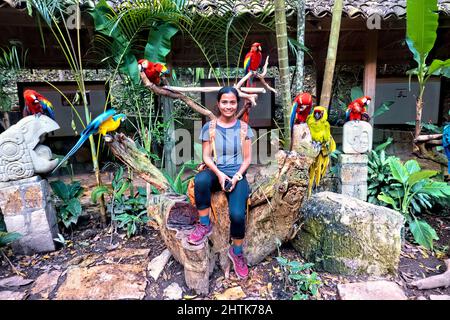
228	146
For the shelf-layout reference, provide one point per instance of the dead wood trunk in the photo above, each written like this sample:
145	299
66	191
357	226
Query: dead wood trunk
441	280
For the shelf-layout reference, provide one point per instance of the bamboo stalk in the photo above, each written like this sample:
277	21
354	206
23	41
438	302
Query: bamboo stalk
331	54
283	62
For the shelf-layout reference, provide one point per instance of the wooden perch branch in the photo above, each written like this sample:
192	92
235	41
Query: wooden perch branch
427	137
176	95
211	89
441	280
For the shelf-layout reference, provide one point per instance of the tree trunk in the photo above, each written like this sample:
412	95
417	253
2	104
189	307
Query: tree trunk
300	75
331	54
283	61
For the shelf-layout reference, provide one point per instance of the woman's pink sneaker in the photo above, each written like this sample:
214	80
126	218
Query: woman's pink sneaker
239	264
199	234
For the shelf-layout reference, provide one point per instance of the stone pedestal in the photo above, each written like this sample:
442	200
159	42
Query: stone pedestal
27	209
353	173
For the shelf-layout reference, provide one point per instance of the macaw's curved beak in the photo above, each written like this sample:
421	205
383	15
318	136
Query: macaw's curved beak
368	102
259	48
141	68
317	115
36	101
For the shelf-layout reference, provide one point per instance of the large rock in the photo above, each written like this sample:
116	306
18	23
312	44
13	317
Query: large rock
345	235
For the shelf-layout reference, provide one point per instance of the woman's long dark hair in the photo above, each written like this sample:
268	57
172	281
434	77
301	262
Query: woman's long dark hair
227	90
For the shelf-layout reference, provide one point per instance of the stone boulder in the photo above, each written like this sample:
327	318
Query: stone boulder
344	235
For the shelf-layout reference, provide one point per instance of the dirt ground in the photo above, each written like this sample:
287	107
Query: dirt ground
89	243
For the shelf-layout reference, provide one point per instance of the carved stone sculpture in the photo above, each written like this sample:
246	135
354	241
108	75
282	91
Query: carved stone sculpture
357	137
21	154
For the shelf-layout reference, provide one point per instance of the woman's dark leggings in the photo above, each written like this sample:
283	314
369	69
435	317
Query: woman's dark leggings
206	182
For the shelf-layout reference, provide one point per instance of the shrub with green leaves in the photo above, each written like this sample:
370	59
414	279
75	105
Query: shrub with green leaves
411	191
306	281
379	173
68	205
130	210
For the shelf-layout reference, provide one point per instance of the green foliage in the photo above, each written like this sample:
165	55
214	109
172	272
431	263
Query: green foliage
68	205
410	192
179	185
221	37
8	237
306	281
129	210
421	30
121	32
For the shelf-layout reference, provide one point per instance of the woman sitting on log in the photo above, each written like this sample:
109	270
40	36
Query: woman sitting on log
227	153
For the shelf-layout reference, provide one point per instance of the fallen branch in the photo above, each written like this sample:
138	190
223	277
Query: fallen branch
435	142
126	151
423	153
427	137
441	280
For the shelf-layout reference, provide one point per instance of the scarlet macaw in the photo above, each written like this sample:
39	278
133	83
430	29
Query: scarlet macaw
252	61
103	123
301	107
153	71
322	141
357	109
37	104
446	144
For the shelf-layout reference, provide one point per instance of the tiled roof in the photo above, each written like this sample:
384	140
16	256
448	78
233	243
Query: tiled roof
320	8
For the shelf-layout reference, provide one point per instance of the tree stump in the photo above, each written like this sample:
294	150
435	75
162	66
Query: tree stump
277	195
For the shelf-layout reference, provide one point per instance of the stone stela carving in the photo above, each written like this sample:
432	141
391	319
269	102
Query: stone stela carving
24	197
21	154
353	170
357	137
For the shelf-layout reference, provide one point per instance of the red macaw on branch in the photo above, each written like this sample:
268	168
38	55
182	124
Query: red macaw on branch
252	61
37	104
357	109
301	107
153	71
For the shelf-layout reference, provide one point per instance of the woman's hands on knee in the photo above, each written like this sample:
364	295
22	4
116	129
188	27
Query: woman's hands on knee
222	177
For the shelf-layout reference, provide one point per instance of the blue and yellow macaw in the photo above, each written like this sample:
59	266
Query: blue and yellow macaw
322	141
446	144
106	122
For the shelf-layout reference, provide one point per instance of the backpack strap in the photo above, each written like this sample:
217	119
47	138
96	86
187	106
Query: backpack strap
212	137
244	130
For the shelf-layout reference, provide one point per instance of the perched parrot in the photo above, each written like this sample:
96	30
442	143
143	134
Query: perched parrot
322	142
446	144
357	109
252	61
103	123
153	71
37	104
301	107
